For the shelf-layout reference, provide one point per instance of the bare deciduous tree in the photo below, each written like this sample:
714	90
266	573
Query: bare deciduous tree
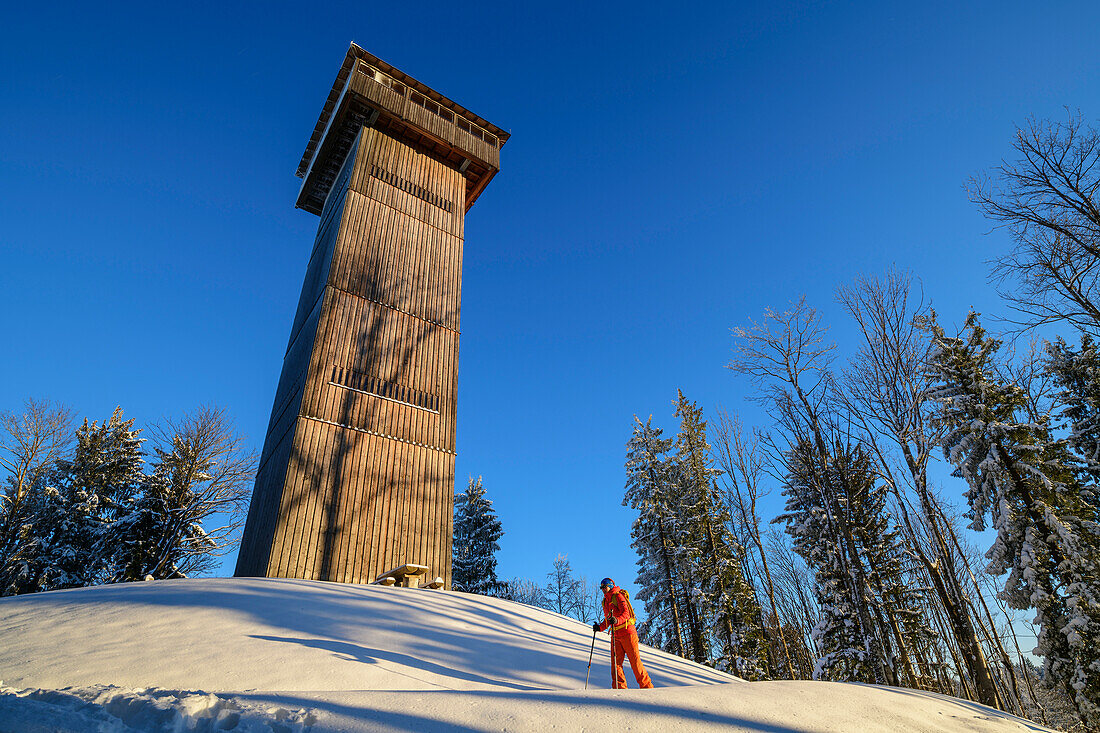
886	393
587	606
204	471
561	587
796	605
787	357
1046	199
30	444
742	462
522	590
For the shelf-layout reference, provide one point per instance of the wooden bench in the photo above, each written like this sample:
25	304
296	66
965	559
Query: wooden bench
405	576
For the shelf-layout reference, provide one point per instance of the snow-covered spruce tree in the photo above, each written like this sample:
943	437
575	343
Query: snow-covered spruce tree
844	644
872	629
133	540
158	536
1028	483
728	602
54	547
99	518
650	491
686	554
107	464
1078	375
739	603
898	604
67	506
476	531
94	489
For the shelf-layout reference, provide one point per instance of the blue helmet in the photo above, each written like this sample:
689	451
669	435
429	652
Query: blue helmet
607	583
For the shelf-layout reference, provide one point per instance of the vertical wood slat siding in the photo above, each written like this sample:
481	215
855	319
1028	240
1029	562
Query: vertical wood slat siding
266	510
395	549
333	519
295	503
420	291
314	460
479	149
260	526
369	482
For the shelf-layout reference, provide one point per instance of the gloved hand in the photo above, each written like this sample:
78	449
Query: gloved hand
595	625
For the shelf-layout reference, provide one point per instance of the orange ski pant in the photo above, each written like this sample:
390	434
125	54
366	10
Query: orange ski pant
624	643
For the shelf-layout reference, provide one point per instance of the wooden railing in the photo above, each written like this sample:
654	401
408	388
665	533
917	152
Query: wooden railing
408	104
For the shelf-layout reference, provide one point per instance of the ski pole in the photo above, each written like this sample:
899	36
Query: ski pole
614	676
590	653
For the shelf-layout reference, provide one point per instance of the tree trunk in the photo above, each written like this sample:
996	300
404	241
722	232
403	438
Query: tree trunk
758	541
727	626
698	641
667	562
958	617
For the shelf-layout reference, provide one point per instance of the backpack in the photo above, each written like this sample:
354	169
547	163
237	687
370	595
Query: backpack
626	597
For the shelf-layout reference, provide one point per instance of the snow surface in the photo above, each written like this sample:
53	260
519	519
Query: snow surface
295	655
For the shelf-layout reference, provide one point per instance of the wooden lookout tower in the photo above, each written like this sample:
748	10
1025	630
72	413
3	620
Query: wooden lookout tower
357	470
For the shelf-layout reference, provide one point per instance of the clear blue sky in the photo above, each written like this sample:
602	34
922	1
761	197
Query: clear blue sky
674	169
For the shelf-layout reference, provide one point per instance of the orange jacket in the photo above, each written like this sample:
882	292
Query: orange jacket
617	611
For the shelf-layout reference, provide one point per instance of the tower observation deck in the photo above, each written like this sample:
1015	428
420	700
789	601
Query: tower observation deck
357	470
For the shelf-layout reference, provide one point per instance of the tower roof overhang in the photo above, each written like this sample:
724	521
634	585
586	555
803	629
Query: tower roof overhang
405	108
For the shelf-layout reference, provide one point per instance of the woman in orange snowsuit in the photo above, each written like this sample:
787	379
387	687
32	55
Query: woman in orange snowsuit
619	615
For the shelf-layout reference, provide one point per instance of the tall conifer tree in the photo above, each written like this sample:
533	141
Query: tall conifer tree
872	620
847	652
476	531
93	490
650	490
728	606
1030	486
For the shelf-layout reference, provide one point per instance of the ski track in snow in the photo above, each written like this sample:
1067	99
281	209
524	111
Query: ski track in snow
110	709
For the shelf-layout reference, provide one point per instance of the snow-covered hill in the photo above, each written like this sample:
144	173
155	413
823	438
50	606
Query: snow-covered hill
293	655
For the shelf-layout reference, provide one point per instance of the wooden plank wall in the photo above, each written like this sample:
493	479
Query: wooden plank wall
277	453
369	480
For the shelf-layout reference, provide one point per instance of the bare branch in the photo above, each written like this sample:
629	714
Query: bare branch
208	471
1046	200
30	444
